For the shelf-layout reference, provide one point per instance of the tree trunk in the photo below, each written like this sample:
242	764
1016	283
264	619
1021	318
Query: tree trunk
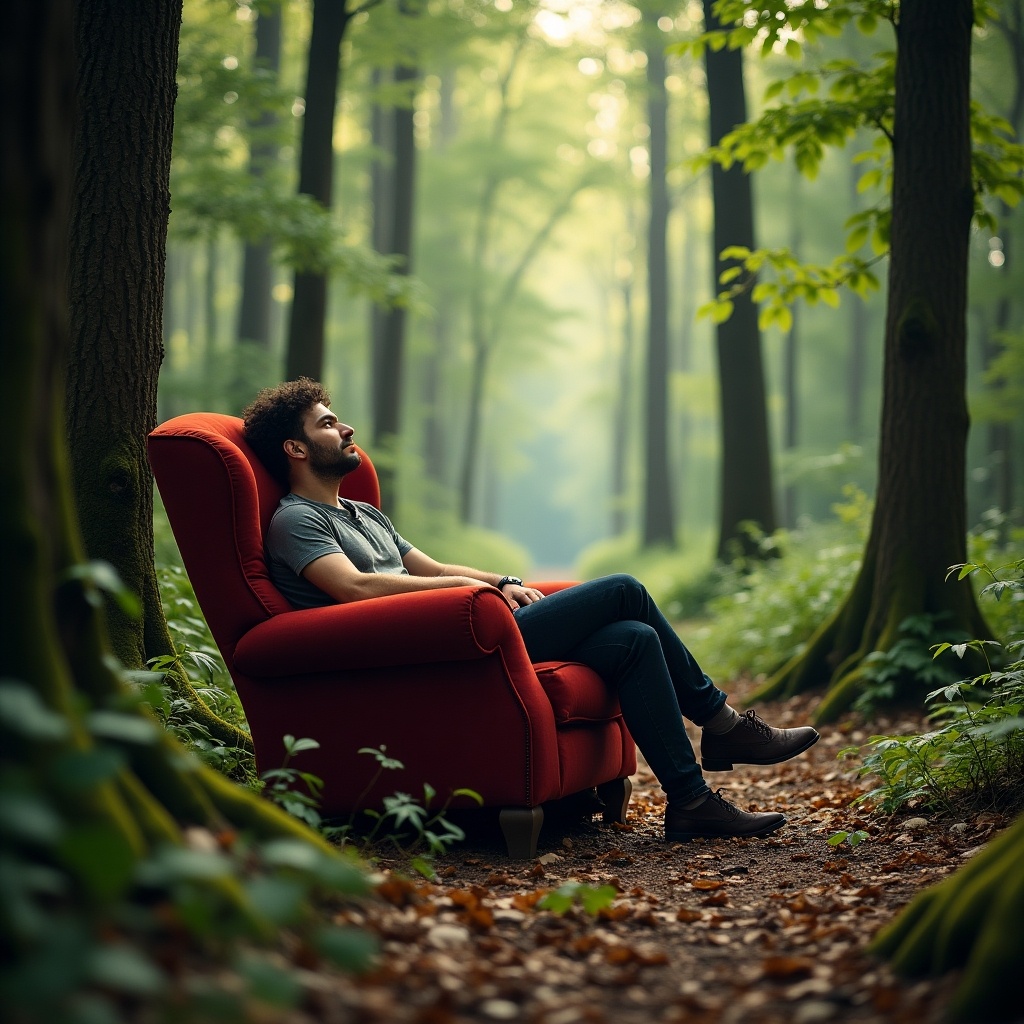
918	528
623	408
791	364
254	312
127	56
856	365
746	467
54	638
658	523
126	50
389	350
307	322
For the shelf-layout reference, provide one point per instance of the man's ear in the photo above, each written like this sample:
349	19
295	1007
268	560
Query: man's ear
293	449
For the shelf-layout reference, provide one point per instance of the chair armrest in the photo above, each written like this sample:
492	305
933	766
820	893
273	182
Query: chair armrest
456	624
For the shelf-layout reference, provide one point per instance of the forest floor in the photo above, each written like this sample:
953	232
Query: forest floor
759	930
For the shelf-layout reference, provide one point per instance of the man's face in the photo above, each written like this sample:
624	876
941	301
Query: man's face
329	443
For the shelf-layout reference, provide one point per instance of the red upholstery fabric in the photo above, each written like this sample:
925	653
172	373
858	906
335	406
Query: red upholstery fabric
442	679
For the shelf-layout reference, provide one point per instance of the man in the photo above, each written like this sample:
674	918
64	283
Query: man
323	549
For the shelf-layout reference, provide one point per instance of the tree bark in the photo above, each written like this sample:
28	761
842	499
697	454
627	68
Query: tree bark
308	317
746	468
125	89
658	523
919	524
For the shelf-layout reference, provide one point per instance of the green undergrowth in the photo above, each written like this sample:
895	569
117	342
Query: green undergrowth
972	757
760	613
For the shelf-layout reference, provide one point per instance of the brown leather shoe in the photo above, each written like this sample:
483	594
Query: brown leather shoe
753	741
716	818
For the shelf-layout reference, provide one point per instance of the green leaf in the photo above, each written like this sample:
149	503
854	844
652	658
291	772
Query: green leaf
29	817
280	900
294	746
472	794
126	728
100	856
125	969
79	770
25	714
351	949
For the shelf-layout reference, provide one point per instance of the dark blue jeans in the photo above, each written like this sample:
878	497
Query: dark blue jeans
613	626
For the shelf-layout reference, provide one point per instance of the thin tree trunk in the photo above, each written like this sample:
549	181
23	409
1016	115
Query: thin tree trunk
746	467
658	524
389	358
791	365
307	321
254	313
856	361
623	407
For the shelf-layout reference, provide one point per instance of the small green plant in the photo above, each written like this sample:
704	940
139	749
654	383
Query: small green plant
853	839
565	896
295	791
406	822
908	664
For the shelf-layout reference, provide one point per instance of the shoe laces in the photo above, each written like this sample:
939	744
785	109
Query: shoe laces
756	723
719	797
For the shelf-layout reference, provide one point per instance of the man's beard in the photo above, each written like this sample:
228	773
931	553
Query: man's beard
331	463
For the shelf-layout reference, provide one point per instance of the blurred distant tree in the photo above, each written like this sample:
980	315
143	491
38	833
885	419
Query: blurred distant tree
496	279
393	235
658	521
746	495
307	322
254	310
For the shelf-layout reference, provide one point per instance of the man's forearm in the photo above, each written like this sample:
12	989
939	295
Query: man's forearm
475	574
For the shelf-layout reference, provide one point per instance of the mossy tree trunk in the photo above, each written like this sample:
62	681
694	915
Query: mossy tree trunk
126	56
919	524
55	640
969	921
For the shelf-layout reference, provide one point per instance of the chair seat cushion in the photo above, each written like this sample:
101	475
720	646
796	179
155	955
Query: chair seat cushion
577	693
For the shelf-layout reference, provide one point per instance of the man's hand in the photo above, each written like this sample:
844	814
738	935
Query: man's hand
518	596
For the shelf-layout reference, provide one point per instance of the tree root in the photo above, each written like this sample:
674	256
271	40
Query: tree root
969	920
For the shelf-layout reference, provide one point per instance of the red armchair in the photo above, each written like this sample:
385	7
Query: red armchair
442	678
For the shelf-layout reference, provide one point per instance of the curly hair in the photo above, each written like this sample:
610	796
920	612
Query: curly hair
275	415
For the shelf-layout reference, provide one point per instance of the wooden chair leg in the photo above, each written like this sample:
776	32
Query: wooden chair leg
521	827
615	795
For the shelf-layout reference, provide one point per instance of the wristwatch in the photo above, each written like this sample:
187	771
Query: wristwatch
509	579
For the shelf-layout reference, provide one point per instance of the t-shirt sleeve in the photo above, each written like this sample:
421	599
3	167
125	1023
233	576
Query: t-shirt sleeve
298	535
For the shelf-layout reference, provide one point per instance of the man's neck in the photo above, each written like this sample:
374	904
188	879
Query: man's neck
316	489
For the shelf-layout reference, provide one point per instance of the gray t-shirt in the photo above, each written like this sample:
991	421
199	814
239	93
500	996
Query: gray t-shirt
302	531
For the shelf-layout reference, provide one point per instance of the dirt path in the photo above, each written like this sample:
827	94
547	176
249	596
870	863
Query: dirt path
735	931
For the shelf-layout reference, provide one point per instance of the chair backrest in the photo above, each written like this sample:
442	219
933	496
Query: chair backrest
219	499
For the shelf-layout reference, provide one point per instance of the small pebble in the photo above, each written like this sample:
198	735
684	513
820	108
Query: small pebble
959	828
447	936
813	1011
